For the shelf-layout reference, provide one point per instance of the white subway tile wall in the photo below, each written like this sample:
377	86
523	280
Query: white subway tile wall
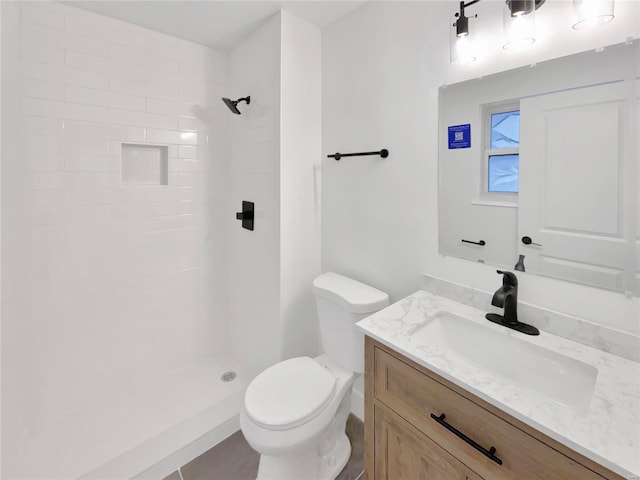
119	278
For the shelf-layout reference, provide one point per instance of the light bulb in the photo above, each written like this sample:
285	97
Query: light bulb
591	13
519	30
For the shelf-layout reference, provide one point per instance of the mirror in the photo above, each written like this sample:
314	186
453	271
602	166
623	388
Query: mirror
538	169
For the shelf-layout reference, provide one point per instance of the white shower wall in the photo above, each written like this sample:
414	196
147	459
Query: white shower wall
254	326
275	162
105	285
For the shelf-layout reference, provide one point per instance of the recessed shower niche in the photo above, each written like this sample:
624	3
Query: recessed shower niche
144	164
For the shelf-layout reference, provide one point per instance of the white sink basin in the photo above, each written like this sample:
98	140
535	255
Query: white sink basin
562	379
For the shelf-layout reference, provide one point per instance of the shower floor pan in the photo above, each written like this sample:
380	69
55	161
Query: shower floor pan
128	432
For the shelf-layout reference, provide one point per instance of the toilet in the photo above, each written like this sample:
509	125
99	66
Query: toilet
295	412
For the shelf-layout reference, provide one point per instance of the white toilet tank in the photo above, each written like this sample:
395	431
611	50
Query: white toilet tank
341	302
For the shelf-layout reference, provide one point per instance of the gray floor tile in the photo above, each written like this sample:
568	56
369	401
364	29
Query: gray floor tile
355	466
234	459
174	476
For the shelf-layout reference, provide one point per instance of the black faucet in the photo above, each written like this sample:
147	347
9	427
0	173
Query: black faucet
507	297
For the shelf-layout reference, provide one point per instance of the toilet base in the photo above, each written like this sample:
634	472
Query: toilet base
323	461
301	465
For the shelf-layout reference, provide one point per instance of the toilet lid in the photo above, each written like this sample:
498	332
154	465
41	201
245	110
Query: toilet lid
289	393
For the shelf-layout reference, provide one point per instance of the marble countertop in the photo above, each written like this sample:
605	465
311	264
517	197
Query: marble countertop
607	431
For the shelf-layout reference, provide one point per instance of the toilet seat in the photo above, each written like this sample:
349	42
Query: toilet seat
289	394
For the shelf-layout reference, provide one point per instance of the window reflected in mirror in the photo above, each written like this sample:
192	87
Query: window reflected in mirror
505	129
503	173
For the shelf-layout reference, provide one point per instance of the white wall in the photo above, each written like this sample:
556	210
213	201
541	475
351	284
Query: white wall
107	285
300	184
274	163
12	424
382	66
0	242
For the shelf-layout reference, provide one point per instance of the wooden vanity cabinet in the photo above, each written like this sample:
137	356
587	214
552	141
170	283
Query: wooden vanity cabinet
416	423
402	452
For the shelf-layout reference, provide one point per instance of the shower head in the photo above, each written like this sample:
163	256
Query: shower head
233	104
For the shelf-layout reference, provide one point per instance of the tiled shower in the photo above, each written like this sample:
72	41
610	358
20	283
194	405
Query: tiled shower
125	275
110	221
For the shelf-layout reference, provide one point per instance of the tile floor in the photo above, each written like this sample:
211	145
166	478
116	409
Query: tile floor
234	459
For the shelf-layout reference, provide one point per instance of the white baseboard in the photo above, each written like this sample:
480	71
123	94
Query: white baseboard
357	404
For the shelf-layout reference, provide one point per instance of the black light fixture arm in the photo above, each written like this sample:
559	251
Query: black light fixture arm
462	24
468	4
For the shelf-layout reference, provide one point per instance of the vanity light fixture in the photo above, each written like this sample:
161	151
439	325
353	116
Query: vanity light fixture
590	13
461	44
519	25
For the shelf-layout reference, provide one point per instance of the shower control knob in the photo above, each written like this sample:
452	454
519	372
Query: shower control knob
527	241
246	215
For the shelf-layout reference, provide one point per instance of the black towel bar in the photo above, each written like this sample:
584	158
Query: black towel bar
384	153
481	242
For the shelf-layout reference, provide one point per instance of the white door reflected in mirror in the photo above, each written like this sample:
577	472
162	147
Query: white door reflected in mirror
574	187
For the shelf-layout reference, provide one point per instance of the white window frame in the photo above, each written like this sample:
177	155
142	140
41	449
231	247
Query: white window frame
507	199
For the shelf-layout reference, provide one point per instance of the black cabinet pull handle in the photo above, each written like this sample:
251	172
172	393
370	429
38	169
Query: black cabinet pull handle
487	453
481	242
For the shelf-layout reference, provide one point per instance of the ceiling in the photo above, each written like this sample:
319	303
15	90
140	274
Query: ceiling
218	24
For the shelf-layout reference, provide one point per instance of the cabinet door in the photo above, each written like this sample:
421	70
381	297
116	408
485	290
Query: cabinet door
402	452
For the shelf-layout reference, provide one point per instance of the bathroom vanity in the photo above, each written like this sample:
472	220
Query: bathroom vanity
447	396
